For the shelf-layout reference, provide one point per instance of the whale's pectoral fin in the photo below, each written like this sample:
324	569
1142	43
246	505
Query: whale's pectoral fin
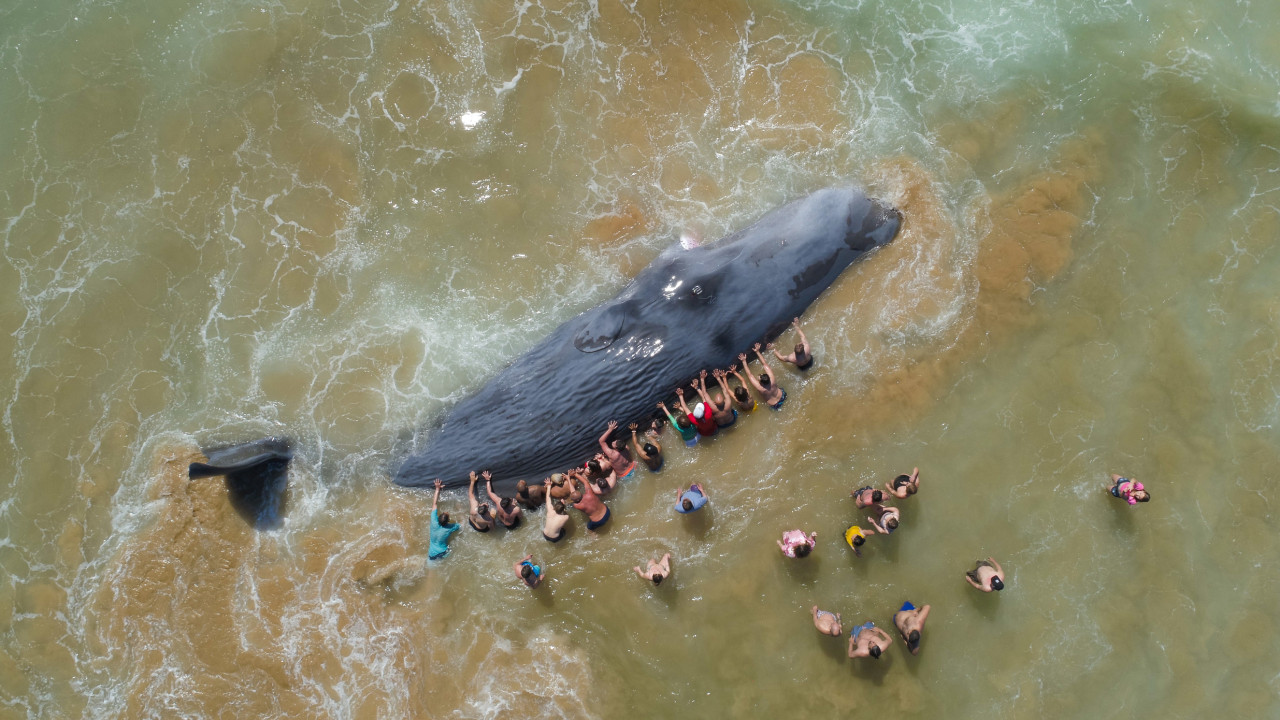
605	326
257	475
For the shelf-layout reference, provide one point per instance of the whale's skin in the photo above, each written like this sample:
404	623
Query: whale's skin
688	310
257	477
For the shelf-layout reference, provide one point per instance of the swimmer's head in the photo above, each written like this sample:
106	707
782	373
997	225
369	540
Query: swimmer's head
1141	496
875	651
858	540
444	518
764	380
741	394
602	484
657	578
802	550
594	467
891	523
526	572
901	479
876	496
682	422
522	487
559	506
650	450
913	641
483	508
687	504
996	583
576	497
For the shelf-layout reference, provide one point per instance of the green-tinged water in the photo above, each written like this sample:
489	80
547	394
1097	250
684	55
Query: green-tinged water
332	220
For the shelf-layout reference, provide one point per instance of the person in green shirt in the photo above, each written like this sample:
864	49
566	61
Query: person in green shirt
682	425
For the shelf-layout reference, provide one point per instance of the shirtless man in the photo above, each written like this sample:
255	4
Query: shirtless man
622	465
867	497
910	621
649	452
656	570
480	519
887	522
557	516
506	510
529	496
827	623
867	640
987	576
601	475
767	385
588	501
904	485
801	358
722	411
559	489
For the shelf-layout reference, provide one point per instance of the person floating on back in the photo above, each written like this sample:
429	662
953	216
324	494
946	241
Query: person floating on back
827	623
650	451
657	570
557	516
795	544
801	358
867	640
910	622
441	528
682	425
904	485
1131	491
690	500
529	574
987	576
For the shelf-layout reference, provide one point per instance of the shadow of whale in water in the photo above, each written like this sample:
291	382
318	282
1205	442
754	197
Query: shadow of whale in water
688	310
257	475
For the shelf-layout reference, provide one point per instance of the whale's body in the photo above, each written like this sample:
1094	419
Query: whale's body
688	310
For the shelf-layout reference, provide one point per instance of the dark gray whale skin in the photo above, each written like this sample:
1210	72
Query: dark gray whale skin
689	309
256	474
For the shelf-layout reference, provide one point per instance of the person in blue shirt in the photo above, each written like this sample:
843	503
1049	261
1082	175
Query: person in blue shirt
441	528
690	500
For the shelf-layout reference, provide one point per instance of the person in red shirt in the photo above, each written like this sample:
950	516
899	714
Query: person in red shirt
700	416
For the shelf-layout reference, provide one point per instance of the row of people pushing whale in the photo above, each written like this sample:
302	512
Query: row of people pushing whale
583	487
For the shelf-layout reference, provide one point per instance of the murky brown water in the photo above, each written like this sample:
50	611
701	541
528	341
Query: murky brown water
331	222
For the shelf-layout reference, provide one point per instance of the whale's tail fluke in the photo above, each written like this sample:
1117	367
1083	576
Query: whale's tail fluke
257	475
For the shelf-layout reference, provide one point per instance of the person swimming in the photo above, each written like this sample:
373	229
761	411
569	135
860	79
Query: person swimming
910	622
690	500
867	640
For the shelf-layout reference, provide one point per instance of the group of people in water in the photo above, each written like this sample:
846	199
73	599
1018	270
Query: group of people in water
583	488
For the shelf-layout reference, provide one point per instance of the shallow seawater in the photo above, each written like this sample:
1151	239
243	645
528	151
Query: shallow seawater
332	221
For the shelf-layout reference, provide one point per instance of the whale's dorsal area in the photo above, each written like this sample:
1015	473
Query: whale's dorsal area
688	310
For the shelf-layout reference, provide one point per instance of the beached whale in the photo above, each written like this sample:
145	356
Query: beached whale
689	309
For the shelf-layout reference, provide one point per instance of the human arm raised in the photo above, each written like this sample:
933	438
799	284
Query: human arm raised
754	383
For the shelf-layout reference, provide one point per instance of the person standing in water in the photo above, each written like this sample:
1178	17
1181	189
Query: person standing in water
650	451
441	528
904	485
867	496
827	623
887	522
557	516
801	358
690	500
588	501
480	519
682	425
741	396
622	465
1131	491
856	537
722	411
910	622
795	544
700	416
767	385
506	509
529	574
867	640
529	496
657	570
987	576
